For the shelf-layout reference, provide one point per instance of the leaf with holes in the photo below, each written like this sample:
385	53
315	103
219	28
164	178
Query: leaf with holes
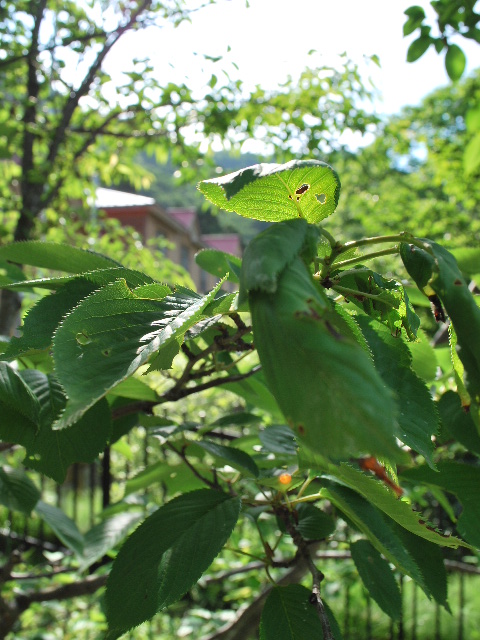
166	556
307	189
322	378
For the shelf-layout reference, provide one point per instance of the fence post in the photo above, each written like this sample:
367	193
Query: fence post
106	478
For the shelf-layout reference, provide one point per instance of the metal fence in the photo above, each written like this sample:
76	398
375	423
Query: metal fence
88	489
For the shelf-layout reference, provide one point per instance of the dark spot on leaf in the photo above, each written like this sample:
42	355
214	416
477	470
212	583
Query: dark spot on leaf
301	429
321	197
300	191
106	352
83	338
458	282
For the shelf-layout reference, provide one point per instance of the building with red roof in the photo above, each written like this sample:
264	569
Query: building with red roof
179	227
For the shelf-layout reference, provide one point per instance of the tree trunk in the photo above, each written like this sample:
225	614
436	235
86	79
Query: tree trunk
10	303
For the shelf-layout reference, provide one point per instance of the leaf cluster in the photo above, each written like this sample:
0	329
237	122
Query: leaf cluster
342	424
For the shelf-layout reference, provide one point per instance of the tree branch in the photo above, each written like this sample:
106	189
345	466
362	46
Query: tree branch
5	62
10	611
74	99
317	576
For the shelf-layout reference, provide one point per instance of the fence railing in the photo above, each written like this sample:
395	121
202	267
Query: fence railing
88	489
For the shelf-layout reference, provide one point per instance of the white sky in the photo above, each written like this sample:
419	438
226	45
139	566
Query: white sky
272	38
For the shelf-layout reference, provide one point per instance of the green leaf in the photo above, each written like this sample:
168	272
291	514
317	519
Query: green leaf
417	414
424	357
273	192
152	474
468	258
234	457
106	535
435	270
269	253
429	559
375	525
390	306
458	422
135	389
418	47
10	273
99	278
322	378
41	320
63	527
278	439
378	495
219	263
377	577
415	12
289	615
416	16
52	451
256	393
59	257
17	491
110	334
463	481
16	399
314	524
455	62
471	155
237	418
166	556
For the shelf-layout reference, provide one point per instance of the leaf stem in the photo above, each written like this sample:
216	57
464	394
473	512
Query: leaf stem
329	237
356	293
366	256
338	249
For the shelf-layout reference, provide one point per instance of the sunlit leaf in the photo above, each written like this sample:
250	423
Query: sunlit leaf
273	192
